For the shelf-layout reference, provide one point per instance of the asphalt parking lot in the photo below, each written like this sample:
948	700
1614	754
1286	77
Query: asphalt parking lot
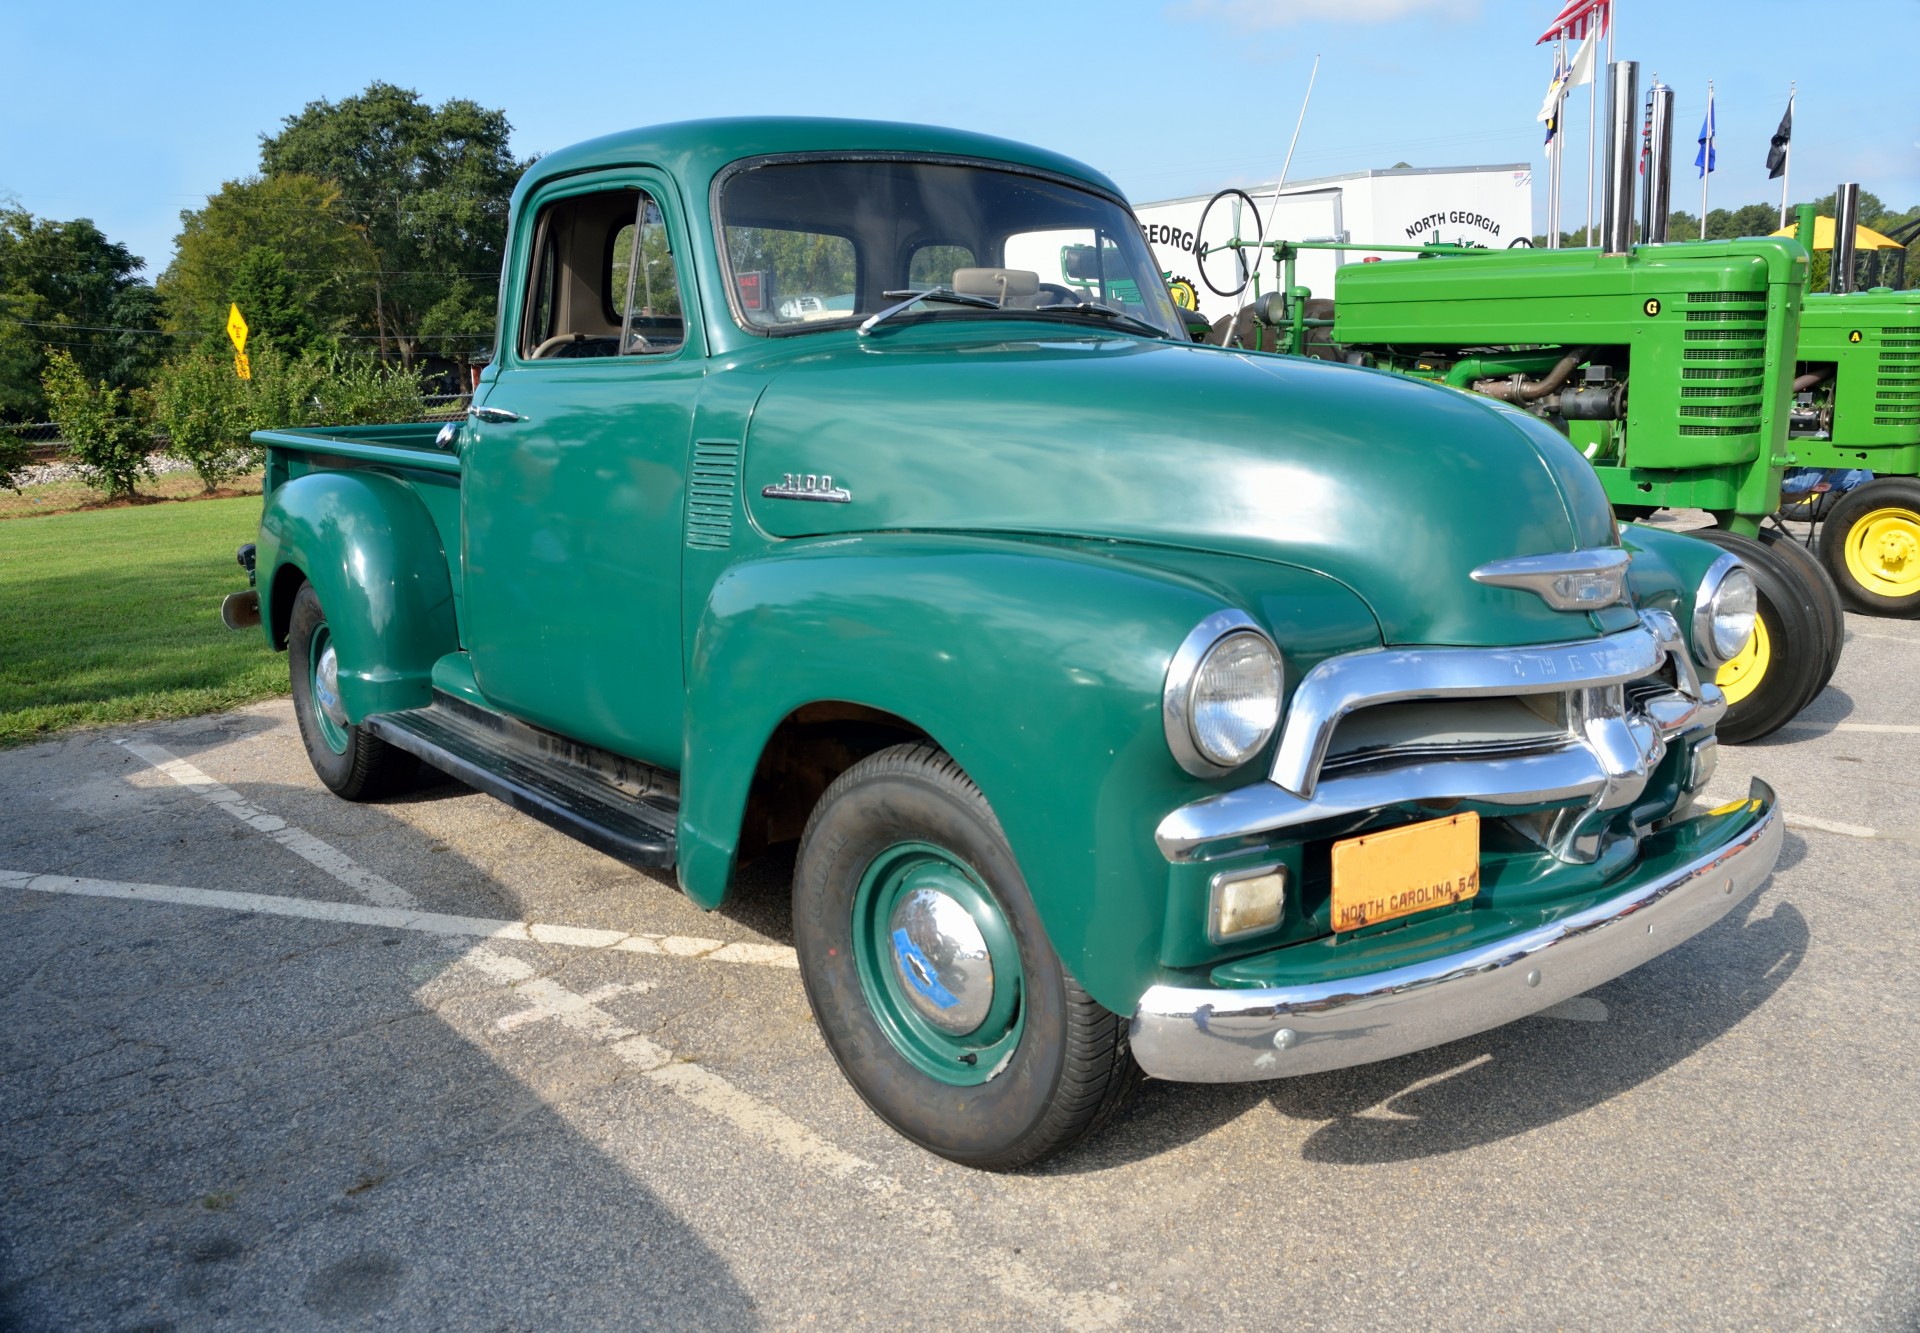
272	1060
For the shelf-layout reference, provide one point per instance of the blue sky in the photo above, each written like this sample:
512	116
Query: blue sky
128	113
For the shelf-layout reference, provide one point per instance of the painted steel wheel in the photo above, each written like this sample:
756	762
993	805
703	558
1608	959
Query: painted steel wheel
351	761
931	976
1871	546
1782	667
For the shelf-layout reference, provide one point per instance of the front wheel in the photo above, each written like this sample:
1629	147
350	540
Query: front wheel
354	763
1871	546
931	976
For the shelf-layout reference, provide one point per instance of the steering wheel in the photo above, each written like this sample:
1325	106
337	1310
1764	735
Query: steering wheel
637	342
1061	293
555	343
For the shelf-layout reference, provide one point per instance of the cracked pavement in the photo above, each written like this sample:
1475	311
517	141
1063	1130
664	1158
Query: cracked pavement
532	1088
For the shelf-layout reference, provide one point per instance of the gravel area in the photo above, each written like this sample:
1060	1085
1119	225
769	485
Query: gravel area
42	474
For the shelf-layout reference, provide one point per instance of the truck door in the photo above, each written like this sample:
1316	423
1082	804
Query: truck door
573	478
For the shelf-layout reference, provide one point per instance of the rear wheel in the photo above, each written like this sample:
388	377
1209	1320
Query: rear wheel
1779	671
932	978
1871	546
351	761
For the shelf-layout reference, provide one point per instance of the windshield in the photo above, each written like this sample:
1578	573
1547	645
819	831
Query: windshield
812	244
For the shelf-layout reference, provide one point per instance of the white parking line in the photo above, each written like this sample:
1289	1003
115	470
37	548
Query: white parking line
1887	728
301	843
1830	826
702	1087
399	918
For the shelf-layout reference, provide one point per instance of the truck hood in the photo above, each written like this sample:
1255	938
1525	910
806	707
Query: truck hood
1396	488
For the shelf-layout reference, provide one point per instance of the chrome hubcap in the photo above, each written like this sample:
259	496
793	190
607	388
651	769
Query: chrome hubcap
942	961
326	687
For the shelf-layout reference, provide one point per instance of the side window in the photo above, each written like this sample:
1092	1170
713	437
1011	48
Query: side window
933	265
603	281
791	277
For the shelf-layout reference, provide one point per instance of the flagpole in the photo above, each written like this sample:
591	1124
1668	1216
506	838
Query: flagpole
1786	158
1706	163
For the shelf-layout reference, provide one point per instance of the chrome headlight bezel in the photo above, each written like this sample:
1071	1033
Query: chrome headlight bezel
1184	673
1713	585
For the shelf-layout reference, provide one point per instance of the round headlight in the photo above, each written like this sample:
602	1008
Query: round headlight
1223	695
1723	613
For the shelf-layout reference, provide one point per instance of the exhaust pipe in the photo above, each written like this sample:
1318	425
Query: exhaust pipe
1846	216
1659	188
1616	207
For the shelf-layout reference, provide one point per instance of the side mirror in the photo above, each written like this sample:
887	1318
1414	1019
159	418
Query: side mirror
1198	325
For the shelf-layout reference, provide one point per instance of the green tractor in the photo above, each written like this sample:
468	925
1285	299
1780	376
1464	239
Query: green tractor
1670	366
1857	405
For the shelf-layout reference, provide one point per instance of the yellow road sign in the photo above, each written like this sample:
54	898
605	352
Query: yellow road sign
240	366
237	330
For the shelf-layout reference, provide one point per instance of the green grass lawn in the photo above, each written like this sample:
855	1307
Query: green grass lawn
114	616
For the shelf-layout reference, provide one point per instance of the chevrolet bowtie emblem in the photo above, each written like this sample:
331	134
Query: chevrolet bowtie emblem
807	486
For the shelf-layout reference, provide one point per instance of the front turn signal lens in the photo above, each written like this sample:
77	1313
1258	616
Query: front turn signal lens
1246	902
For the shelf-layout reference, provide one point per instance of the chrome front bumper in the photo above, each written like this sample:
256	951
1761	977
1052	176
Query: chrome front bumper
1222	1035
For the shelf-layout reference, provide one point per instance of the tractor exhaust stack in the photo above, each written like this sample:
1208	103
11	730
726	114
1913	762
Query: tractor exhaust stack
1846	216
1616	208
1659	186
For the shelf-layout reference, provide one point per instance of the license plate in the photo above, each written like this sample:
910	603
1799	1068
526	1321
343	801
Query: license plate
1380	876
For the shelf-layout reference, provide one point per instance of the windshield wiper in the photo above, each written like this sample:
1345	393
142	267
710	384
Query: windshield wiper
1105	312
914	298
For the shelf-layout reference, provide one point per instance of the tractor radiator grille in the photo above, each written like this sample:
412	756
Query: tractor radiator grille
1723	364
716	473
1897	392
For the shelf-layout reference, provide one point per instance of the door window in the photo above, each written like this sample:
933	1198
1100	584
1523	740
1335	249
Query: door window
603	280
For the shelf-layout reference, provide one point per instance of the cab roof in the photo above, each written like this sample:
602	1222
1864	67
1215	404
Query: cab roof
694	150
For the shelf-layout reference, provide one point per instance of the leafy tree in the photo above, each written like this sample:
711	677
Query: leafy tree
103	424
283	240
427	186
271	303
64	285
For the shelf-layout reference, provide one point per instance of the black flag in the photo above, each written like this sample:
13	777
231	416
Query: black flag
1777	154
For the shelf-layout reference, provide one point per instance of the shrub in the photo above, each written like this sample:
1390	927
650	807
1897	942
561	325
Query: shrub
284	390
14	455
202	406
356	392
105	427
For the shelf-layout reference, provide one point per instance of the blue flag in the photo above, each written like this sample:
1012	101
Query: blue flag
1704	159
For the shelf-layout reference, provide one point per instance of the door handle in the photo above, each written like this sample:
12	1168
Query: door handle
495	415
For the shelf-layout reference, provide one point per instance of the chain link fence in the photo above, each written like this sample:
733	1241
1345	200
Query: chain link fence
45	445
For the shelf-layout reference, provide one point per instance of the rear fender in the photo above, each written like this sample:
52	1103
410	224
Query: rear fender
373	555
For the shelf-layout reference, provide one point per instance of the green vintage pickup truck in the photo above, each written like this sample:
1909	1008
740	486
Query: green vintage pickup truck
1135	705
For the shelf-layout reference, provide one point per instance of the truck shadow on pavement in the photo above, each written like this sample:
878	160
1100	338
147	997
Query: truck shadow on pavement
255	1120
1512	1079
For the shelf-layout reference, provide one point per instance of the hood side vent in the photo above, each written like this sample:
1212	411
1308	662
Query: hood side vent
710	491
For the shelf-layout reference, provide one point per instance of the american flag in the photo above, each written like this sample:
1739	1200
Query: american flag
1575	17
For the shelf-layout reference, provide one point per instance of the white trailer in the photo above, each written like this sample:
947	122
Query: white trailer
1489	206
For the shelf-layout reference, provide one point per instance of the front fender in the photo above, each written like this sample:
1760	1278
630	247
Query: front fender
1037	666
1667	569
373	554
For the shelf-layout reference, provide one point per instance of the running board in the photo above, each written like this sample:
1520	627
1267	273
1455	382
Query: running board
615	805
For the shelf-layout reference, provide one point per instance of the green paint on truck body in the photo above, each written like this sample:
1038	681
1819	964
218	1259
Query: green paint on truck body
1039	513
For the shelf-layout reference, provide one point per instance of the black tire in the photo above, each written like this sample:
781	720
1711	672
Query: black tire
1847	524
363	768
1068	1068
1826	602
1786	679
